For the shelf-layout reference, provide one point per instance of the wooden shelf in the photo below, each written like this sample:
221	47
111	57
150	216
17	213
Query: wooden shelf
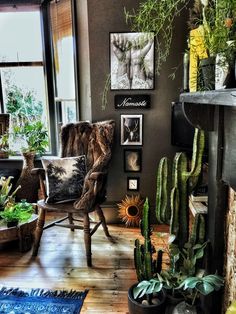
224	97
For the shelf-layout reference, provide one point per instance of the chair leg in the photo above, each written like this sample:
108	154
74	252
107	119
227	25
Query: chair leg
39	231
71	220
103	220
87	239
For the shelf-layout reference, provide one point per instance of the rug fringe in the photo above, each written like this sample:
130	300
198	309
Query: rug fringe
72	294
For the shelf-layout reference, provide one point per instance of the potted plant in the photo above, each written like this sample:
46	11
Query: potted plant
34	137
147	297
196	286
4	145
5	190
214	22
15	213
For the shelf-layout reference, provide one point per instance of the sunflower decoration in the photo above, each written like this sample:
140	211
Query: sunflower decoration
130	210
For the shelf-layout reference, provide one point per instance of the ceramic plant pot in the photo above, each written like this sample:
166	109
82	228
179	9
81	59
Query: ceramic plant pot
184	308
28	182
13	223
207	67
135	307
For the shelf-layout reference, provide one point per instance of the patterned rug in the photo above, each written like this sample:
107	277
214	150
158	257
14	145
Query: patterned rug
38	301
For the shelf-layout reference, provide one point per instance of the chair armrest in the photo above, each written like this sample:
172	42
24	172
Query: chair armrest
38	171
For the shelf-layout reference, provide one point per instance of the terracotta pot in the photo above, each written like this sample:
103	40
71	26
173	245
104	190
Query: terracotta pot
29	183
137	308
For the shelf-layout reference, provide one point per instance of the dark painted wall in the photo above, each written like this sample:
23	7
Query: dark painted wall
106	16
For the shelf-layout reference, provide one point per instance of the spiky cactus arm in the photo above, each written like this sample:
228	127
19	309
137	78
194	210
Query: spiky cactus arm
163	190
180	182
174	222
196	164
143	252
158	266
138	260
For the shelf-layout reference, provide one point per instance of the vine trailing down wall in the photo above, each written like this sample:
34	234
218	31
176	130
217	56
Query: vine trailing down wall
174	185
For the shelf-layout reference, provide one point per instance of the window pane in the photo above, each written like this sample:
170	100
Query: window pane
20	34
24	95
61	25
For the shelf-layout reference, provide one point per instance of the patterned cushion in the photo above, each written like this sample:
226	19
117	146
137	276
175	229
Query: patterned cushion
64	178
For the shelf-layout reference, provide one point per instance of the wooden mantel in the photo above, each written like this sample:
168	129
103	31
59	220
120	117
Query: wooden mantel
215	112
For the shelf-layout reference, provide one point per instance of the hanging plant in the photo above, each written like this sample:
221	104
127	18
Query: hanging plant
157	17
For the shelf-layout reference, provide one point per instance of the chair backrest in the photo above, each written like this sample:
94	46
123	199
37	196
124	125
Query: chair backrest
94	140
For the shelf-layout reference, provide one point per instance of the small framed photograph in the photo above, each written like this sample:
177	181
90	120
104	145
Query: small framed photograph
131	129
132	61
132	160
133	184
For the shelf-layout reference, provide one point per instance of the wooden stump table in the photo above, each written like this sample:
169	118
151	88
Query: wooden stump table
23	232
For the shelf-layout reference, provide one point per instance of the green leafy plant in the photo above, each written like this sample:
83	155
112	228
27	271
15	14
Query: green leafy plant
18	212
218	20
34	135
157	17
201	285
147	287
5	189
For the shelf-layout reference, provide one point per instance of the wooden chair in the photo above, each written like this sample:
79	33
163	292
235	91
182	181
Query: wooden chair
94	140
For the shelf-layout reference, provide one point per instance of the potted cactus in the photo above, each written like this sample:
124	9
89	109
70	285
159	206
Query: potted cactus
147	296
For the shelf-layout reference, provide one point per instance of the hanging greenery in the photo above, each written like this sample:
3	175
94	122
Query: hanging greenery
158	17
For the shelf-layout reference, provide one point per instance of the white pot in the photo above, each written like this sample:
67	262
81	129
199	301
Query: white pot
184	308
221	71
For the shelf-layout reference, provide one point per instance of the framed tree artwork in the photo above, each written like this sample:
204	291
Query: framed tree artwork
132	61
131	129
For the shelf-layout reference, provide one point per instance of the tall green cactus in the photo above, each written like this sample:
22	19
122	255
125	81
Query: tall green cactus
145	264
184	182
163	213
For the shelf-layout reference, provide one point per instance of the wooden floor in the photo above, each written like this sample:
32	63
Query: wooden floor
62	265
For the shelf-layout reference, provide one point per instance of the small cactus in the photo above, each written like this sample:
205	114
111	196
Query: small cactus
146	266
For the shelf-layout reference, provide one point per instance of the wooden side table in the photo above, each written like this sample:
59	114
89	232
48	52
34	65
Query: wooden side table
23	232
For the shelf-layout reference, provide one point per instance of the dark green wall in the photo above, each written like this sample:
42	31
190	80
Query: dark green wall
106	16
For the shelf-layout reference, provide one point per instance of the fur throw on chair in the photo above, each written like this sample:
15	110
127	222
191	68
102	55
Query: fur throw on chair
94	140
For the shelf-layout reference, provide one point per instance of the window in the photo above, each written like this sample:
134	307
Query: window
64	62
23	88
38	76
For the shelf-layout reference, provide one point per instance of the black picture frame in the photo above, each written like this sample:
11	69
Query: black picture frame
139	101
133	184
131	129
132	52
133	160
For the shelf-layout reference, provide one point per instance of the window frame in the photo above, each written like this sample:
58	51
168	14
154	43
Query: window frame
48	64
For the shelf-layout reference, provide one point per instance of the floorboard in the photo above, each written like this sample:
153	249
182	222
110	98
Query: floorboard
62	265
